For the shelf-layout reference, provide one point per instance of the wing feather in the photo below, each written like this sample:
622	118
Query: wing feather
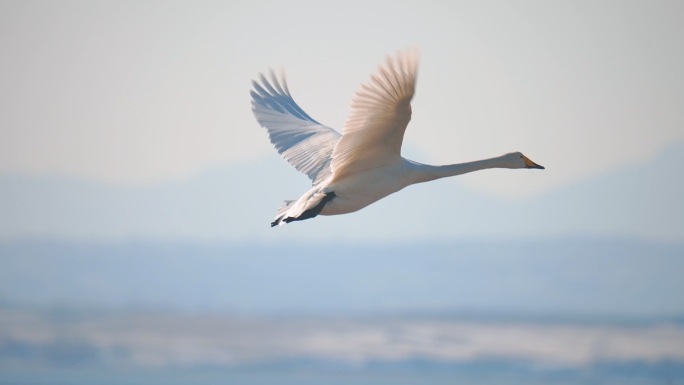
380	112
302	141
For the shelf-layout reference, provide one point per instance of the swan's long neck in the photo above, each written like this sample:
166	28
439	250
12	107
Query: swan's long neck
426	173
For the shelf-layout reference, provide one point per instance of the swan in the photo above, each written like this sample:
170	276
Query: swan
350	171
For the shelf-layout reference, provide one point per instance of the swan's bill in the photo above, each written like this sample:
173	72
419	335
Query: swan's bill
531	164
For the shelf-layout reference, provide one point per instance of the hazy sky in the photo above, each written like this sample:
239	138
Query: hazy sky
140	92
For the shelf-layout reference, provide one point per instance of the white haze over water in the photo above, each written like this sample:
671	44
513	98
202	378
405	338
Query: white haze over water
166	339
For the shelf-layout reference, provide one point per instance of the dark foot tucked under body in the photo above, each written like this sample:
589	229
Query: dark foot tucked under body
308	214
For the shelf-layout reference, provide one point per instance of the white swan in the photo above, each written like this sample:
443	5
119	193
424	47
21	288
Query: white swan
363	165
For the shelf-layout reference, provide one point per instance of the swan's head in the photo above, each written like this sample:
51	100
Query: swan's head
518	160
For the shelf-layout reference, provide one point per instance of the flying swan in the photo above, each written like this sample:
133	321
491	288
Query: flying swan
350	171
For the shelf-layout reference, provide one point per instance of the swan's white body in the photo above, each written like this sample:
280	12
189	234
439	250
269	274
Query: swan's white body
364	165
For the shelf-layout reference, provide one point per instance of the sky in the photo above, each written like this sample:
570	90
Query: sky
139	93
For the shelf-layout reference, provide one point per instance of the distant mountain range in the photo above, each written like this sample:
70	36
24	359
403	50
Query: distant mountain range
238	203
566	277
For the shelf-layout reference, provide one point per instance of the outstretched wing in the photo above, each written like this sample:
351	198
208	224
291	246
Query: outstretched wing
302	141
380	112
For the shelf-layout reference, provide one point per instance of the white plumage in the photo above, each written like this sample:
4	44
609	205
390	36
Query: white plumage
363	165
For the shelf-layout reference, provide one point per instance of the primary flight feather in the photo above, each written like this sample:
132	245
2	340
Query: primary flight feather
364	164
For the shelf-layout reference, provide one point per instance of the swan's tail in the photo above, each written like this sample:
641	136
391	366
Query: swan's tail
282	210
308	206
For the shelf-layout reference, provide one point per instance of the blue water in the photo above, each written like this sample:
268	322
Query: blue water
408	373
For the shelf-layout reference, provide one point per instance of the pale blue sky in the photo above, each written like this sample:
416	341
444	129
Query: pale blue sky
141	92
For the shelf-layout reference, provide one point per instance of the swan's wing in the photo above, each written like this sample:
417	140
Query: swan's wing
302	141
380	111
